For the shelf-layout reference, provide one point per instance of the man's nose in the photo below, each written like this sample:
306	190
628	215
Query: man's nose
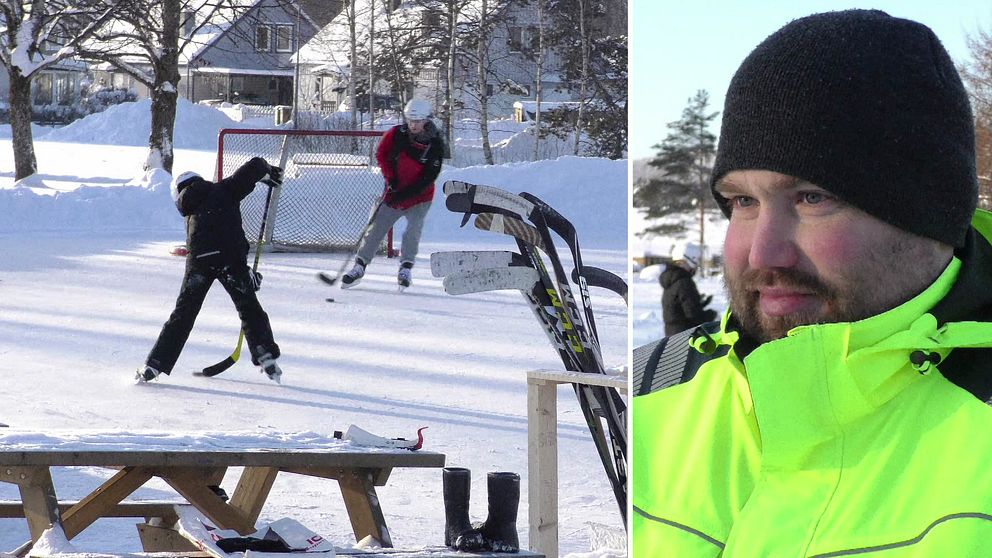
773	242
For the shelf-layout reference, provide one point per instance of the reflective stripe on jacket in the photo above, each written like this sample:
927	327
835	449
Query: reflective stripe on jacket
828	442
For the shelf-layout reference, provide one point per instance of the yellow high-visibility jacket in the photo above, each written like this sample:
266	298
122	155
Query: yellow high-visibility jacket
828	442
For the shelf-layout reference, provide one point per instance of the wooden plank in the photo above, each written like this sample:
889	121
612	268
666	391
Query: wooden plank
379	474
567	377
156	538
542	467
191	483
228	458
99	502
363	506
14	510
253	489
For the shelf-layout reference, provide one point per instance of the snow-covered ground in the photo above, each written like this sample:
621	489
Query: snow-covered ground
86	281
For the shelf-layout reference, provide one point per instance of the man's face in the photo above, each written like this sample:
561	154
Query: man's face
797	255
416	126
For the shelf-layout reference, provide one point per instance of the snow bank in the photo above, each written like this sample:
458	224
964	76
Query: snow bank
130	124
591	192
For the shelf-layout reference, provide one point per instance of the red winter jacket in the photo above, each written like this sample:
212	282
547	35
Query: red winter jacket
410	166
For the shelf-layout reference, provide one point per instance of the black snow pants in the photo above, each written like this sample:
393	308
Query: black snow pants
199	276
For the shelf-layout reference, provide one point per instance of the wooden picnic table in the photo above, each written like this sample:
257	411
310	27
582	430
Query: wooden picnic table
193	471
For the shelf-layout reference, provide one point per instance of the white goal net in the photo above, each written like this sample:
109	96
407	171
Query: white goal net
332	182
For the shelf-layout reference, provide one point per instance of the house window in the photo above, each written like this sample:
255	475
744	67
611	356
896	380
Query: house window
43	91
284	38
237	85
188	22
489	89
263	38
516	40
62	89
431	19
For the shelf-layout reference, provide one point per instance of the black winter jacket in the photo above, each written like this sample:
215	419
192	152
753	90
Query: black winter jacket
213	213
680	301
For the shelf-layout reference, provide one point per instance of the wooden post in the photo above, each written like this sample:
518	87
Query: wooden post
542	465
542	450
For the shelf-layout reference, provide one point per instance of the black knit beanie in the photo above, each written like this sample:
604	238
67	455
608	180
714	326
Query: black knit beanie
868	107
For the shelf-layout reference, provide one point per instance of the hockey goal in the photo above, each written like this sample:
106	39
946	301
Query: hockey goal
331	185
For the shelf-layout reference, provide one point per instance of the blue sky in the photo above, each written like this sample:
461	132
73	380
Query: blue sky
681	46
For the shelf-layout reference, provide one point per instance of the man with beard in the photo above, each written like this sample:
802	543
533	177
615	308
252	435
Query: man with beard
840	406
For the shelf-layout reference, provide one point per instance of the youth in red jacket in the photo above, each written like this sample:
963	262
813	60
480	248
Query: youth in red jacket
410	158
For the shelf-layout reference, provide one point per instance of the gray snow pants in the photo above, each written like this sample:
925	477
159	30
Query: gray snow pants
386	218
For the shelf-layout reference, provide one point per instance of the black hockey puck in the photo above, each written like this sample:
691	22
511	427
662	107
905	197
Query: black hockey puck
329	299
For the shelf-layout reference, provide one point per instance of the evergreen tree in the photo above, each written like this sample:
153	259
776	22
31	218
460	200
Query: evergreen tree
685	157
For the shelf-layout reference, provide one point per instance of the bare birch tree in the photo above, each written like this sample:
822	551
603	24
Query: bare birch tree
34	35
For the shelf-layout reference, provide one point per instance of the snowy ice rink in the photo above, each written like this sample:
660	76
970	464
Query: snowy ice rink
86	281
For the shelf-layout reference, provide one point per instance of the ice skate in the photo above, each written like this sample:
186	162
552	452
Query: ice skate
270	368
404	277
354	276
146	374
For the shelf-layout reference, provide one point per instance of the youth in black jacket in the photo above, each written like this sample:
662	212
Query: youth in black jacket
681	303
217	251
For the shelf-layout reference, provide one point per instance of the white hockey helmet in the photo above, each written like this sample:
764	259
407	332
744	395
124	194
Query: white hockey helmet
417	109
687	252
183	180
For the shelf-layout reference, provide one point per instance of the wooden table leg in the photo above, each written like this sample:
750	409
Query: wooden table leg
193	484
103	499
253	489
363	505
41	506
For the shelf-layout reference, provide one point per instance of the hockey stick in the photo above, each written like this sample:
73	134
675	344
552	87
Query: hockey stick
214	369
331	280
508	225
467	199
598	277
445	263
490	279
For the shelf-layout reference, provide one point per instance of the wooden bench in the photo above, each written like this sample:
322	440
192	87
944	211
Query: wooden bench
192	472
542	450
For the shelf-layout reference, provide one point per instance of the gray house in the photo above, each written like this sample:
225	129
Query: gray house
244	57
326	67
54	88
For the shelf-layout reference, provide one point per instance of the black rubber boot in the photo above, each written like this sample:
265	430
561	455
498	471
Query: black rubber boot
500	529
458	532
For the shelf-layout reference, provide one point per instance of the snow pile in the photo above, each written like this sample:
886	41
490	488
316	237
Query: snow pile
36	132
124	208
598	211
130	124
70	440
52	541
590	192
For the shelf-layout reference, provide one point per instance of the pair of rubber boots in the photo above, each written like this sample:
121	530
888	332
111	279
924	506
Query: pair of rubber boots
498	533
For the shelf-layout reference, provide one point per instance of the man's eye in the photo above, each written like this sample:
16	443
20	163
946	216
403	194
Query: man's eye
814	197
742	201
